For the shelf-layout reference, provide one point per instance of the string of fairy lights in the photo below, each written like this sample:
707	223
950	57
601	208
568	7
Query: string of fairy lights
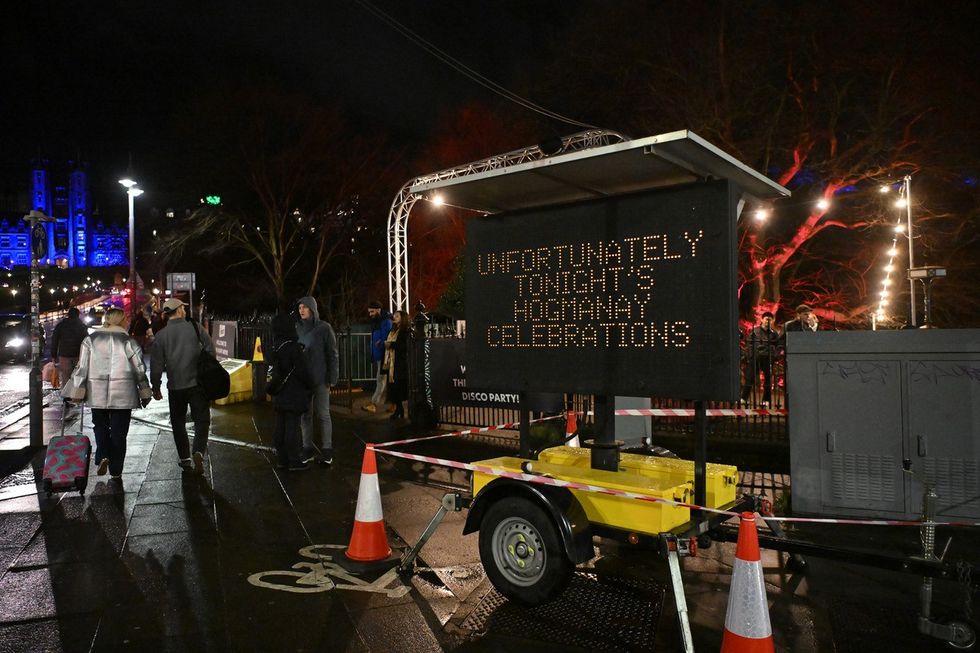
885	293
762	214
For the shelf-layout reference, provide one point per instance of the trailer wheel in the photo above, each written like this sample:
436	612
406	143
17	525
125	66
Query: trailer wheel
521	551
965	636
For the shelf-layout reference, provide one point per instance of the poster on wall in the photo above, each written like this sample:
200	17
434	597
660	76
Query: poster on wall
224	335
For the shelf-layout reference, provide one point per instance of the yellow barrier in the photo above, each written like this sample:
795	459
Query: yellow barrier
240	373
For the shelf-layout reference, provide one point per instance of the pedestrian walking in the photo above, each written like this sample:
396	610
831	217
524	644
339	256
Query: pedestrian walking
396	363
66	343
320	343
380	328
175	351
138	328
110	368
291	388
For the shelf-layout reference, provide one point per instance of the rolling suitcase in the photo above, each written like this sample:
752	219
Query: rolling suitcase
66	463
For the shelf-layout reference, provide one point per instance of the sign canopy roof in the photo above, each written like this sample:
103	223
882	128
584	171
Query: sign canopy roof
671	159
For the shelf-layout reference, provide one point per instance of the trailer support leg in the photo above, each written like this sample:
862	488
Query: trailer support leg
450	502
675	548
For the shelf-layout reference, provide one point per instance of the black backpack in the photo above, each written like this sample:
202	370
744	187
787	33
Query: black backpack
211	376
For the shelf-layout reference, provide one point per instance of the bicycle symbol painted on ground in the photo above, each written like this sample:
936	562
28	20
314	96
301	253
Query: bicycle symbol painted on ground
324	575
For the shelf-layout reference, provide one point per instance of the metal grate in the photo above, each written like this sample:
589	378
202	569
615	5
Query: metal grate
864	477
595	613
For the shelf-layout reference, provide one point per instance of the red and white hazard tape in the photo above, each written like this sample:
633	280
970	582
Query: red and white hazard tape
623	412
689	412
572	485
482	429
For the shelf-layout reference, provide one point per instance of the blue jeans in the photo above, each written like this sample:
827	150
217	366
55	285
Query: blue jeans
111	426
319	404
201	414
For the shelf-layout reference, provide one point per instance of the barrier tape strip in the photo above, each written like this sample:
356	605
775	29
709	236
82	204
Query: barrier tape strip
689	412
623	412
573	485
483	429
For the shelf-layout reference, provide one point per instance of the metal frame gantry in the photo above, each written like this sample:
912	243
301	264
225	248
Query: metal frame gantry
401	207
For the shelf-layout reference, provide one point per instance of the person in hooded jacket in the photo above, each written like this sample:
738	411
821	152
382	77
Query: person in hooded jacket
293	383
110	368
320	344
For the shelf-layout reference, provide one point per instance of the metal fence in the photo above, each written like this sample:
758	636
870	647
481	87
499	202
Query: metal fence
355	356
483	416
761	429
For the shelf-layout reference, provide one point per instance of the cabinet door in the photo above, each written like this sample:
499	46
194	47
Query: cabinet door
944	413
860	414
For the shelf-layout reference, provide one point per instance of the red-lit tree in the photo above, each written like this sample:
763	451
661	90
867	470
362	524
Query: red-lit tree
829	104
437	233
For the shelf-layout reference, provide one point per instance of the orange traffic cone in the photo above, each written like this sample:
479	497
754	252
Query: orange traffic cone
368	548
571	426
747	627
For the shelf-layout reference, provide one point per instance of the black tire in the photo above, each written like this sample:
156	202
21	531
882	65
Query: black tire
966	635
522	553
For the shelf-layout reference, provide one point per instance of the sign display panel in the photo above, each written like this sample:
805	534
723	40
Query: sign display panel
633	295
224	337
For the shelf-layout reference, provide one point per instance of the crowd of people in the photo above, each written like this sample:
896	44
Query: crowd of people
120	366
762	348
106	368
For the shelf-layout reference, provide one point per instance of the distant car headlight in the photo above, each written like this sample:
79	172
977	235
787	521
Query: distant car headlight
15	343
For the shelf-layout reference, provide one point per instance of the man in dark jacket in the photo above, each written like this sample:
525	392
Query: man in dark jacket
380	328
66	341
762	344
805	321
323	357
175	351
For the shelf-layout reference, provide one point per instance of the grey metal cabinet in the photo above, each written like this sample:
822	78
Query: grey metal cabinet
944	410
865	405
860	413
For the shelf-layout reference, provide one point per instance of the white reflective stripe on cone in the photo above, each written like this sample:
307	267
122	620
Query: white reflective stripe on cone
748	612
368	499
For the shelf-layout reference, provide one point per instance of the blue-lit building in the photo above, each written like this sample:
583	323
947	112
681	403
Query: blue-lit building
75	239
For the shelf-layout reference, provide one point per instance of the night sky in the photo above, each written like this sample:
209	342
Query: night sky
105	79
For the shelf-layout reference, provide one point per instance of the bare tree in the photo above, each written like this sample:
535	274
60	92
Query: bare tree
300	187
829	104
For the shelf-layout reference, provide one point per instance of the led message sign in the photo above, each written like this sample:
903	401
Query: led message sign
632	295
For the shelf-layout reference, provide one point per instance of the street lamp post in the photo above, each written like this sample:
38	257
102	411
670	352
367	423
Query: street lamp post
39	250
908	230
132	192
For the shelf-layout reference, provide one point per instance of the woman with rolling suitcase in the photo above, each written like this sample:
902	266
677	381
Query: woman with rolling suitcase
111	372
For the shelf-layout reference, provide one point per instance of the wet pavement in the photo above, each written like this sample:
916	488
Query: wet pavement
242	560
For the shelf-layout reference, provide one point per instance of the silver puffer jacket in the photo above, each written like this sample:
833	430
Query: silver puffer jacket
110	365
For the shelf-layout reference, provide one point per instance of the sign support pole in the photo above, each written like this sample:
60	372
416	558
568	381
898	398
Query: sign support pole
700	453
524	415
38	251
605	447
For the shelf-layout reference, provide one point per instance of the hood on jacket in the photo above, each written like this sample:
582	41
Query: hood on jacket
310	303
307	325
